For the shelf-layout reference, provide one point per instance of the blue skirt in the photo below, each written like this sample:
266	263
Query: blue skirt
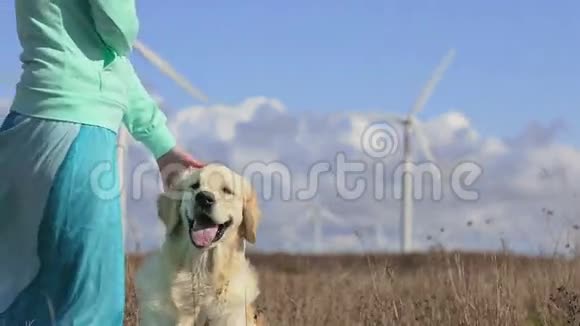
61	235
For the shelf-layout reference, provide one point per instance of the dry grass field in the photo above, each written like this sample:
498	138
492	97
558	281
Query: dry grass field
430	289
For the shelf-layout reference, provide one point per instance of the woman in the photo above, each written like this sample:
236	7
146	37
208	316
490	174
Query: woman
61	249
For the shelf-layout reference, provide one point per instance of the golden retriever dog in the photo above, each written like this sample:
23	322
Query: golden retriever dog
200	276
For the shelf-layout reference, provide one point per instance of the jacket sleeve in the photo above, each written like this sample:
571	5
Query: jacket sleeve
116	22
144	119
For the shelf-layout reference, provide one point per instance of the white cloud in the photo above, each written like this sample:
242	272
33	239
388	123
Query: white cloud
220	121
450	128
528	189
493	147
521	176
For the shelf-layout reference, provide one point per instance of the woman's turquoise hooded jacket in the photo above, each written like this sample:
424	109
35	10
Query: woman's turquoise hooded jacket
76	68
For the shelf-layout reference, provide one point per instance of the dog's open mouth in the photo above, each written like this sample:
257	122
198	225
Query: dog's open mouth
203	231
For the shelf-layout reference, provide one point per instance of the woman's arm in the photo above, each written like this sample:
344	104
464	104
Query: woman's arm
147	123
144	120
116	22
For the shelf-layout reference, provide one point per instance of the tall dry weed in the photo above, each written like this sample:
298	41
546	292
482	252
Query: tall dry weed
431	289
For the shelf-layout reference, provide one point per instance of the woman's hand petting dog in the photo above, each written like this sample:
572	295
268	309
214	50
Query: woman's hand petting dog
174	162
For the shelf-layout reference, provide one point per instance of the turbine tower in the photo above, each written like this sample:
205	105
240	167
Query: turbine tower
314	218
412	126
373	229
317	218
379	237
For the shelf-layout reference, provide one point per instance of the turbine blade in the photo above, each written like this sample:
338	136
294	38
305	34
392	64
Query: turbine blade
393	117
425	146
168	70
423	142
430	86
309	216
332	219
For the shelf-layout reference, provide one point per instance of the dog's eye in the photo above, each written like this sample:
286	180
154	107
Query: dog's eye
227	191
195	186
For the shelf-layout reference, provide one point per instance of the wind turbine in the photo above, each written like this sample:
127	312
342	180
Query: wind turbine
314	217
372	228
412	126
317	217
168	70
379	236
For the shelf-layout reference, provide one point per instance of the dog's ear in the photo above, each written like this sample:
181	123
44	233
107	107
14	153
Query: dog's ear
251	215
168	211
168	202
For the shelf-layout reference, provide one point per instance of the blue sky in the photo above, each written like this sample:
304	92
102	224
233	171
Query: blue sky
516	61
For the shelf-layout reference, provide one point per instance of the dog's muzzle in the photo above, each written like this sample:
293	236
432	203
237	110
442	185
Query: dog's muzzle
203	231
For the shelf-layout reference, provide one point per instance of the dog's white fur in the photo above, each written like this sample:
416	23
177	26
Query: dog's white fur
215	286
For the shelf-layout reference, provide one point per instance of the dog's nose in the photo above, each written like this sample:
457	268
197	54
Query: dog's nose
205	198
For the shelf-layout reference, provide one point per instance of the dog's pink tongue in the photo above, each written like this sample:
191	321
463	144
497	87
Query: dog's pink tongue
204	237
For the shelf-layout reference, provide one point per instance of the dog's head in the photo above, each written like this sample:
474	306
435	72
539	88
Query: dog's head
209	206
